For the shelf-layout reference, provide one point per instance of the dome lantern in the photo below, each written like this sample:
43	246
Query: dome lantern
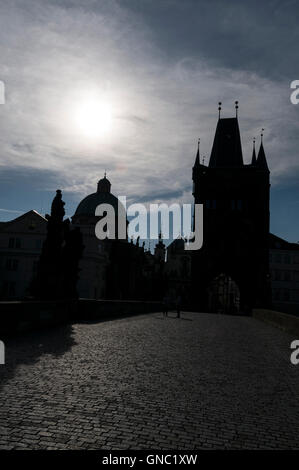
104	185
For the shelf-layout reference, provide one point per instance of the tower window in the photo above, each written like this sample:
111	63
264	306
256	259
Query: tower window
210	204
236	204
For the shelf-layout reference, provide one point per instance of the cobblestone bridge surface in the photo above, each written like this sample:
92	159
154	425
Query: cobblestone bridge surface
202	381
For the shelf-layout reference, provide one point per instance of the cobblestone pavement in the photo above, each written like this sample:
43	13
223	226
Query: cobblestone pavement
145	382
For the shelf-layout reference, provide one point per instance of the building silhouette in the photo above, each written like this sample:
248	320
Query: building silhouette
21	241
231	271
284	268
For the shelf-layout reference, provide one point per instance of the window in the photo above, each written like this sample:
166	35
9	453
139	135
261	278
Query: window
287	258
38	244
12	264
14	242
276	294
286	295
9	288
287	275
278	258
277	275
34	266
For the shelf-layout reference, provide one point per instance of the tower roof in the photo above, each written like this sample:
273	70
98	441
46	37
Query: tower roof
227	149
261	158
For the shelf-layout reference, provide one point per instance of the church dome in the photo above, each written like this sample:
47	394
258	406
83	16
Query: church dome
103	196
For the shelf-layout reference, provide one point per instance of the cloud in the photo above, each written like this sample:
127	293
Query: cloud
163	84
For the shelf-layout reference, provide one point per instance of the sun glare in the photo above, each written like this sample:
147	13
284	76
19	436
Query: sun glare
93	117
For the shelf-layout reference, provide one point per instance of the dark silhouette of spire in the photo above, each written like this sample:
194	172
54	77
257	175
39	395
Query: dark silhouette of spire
253	159
197	159
261	158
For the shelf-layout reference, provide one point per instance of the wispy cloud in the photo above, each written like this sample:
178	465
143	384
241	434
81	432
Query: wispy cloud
11	211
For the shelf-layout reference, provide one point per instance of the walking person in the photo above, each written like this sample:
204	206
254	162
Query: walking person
165	305
178	306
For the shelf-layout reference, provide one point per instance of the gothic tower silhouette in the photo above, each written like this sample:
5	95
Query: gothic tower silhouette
231	271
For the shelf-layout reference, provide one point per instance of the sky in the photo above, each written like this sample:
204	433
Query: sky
156	71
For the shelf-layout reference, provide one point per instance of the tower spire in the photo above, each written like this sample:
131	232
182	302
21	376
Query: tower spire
236	107
197	159
261	161
219	109
253	159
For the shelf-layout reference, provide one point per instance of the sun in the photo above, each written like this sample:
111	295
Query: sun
93	117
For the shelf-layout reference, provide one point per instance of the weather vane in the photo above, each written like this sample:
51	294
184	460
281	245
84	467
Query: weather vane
219	108
236	107
262	134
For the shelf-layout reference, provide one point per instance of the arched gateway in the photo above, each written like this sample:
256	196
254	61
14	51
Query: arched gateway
224	295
